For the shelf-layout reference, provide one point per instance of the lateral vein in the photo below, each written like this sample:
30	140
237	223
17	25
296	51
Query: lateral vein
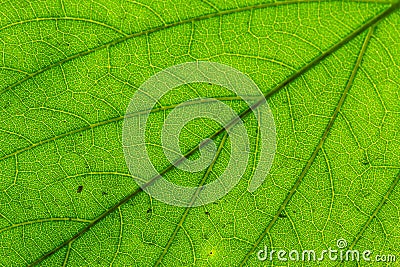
314	62
317	149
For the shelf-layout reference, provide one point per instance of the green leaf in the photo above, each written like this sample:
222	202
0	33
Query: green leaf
330	71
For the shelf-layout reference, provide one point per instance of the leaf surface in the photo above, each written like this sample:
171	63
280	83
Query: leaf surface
329	71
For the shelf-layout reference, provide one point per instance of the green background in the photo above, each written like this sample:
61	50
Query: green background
331	74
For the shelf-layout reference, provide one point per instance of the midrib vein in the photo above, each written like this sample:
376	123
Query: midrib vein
316	150
242	115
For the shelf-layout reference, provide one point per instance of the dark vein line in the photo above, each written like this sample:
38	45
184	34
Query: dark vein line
185	214
66	19
101	123
374	214
123	201
64	219
242	115
153	30
316	151
287	81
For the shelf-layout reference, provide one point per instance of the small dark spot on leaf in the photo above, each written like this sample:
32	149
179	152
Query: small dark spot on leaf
364	160
149	211
104	193
211	252
207	213
80	188
282	215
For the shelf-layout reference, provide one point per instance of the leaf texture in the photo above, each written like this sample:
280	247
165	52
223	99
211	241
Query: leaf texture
330	71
